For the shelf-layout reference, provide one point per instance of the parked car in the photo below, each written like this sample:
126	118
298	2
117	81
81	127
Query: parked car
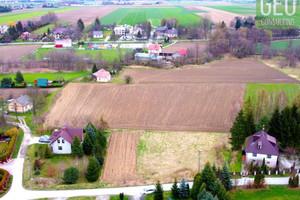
148	191
44	139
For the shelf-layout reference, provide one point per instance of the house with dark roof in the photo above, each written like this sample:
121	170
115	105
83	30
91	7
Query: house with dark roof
171	33
97	34
261	146
61	140
22	104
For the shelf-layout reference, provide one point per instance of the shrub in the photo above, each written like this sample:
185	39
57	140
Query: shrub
6	81
51	171
294	181
4	174
128	79
38	163
48	153
71	175
92	172
77	147
37	172
9	148
259	180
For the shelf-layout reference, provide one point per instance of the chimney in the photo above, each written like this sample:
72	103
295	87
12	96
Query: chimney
63	128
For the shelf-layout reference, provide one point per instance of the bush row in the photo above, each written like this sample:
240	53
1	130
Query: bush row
4	179
10	150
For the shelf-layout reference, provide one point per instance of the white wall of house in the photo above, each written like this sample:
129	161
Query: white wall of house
61	146
271	162
98	36
104	79
119	30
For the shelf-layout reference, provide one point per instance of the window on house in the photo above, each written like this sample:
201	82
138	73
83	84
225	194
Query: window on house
58	141
62	141
254	154
269	156
59	147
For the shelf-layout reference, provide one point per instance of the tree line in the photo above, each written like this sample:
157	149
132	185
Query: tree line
4	9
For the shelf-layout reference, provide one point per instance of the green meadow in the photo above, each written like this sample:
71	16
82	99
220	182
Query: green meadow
237	9
279	45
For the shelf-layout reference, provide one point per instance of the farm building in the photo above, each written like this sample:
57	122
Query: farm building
180	53
102	75
171	33
154	49
22	104
261	146
63	43
62	140
97	34
3	28
134	46
146	57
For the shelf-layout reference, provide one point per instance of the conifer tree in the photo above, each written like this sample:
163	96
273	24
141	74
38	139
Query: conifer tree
77	147
159	192
95	69
196	186
208	176
226	178
92	172
19	77
220	191
91	132
175	190
80	24
87	145
274	125
48	153
238	131
183	190
71	175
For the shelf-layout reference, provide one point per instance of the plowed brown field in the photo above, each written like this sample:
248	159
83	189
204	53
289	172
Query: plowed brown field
188	107
225	71
184	45
120	162
16	52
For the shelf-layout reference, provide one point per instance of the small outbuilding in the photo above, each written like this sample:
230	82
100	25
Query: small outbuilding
22	104
102	76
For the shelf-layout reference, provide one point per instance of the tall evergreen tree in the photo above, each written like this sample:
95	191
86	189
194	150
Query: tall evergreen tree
263	124
220	191
249	118
296	124
80	24
183	190
208	177
77	147
87	145
286	126
92	172
95	69
19	27
19	77
274	125
196	186
238	131
175	190
91	132
97	21
226	177
159	192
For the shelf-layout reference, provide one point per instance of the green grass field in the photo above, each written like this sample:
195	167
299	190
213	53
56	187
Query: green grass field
30	77
133	16
279	45
237	9
22	16
108	54
18	144
44	29
274	193
290	90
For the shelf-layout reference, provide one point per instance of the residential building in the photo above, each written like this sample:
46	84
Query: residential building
146	57
63	43
261	146
59	33
122	30
102	76
154	49
171	33
61	140
3	28
22	104
180	53
97	34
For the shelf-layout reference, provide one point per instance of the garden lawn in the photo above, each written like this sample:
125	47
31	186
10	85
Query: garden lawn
18	144
116	197
291	90
22	16
44	29
274	193
279	45
237	9
30	77
133	16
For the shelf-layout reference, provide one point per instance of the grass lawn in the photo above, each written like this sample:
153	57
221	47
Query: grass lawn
279	45
290	90
30	77
116	197
236	161
109	54
167	195
82	198
44	29
274	193
22	16
165	155
133	16
238	9
18	144
60	163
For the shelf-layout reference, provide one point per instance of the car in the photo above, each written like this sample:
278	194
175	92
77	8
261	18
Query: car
148	191
44	139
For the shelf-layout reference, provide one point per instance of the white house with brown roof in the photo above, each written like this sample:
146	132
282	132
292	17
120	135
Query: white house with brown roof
61	140
22	104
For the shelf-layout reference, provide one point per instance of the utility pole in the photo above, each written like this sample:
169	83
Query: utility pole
199	152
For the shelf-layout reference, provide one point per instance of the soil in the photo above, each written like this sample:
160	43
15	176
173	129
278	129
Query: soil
16	52
184	45
15	93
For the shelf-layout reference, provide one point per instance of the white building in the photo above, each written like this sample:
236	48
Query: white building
97	34
102	75
63	43
61	140
3	28
123	29
261	146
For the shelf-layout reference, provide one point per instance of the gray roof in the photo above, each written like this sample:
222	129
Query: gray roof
97	33
268	144
24	100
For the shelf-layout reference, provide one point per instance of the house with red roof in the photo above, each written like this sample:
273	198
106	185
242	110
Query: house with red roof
261	146
180	53
154	49
61	140
102	76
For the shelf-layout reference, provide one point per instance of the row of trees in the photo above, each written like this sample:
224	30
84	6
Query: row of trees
4	9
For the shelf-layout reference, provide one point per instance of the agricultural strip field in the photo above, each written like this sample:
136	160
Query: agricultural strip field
178	107
185	45
28	15
247	9
279	45
120	162
16	52
215	15
30	77
108	54
224	71
15	93
133	16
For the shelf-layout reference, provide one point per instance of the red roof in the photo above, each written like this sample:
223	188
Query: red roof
182	52
155	47
102	73
67	133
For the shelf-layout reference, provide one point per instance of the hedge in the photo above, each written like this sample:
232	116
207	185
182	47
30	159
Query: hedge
11	146
4	179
